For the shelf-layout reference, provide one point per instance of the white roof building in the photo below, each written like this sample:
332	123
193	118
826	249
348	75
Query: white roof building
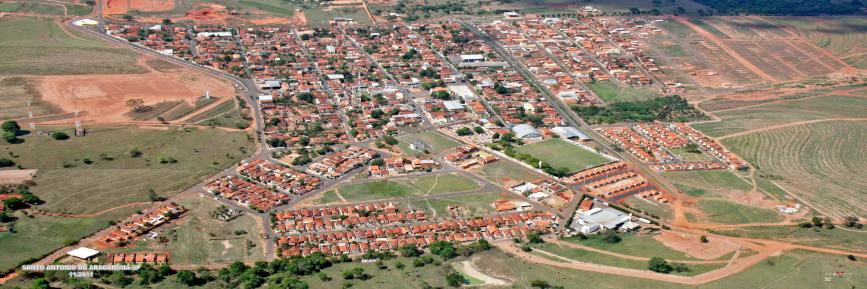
83	253
526	131
453	105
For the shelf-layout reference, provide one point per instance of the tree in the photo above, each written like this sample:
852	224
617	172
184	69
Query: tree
167	21
703	239
355	273
464	131
127	17
534	238
409	251
542	284
41	283
479	130
4	162
59	135
444	249
455	279
12	126
14	203
10	137
390	140
187	277
657	264
276	142
611	238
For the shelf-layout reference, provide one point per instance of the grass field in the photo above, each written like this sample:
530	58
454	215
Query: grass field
819	162
709	28
86	188
37	46
500	171
603	259
824	107
727	212
609	91
438	143
319	16
443	183
836	238
713	181
561	154
39	235
634	245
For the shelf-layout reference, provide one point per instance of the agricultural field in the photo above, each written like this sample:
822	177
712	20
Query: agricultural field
813	161
39	235
784	113
718	182
36	45
113	176
53	9
842	36
561	154
610	92
438	143
608	6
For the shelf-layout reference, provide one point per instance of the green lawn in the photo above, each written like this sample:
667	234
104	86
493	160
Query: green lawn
118	178
500	171
443	183
561	154
317	16
38	46
634	245
328	198
609	91
375	190
726	212
709	28
438	143
36	236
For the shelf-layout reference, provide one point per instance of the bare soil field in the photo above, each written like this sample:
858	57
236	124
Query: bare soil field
691	244
104	97
124	6
14	177
843	37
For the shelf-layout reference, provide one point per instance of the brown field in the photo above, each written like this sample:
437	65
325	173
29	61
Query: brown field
690	244
103	97
124	6
15	177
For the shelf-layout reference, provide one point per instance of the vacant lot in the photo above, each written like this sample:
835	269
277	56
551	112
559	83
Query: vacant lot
501	171
39	235
443	183
820	162
68	184
721	182
763	116
561	154
475	204
17	91
38	45
836	238
199	238
609	91
374	190
433	142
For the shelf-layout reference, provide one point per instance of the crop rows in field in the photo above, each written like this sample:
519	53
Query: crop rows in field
841	36
822	163
748	28
761	58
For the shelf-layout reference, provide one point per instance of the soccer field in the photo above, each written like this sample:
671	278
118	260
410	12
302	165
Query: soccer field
561	154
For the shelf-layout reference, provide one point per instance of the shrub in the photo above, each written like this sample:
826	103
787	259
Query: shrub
703	239
659	265
455	279
464	131
4	162
59	135
390	140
